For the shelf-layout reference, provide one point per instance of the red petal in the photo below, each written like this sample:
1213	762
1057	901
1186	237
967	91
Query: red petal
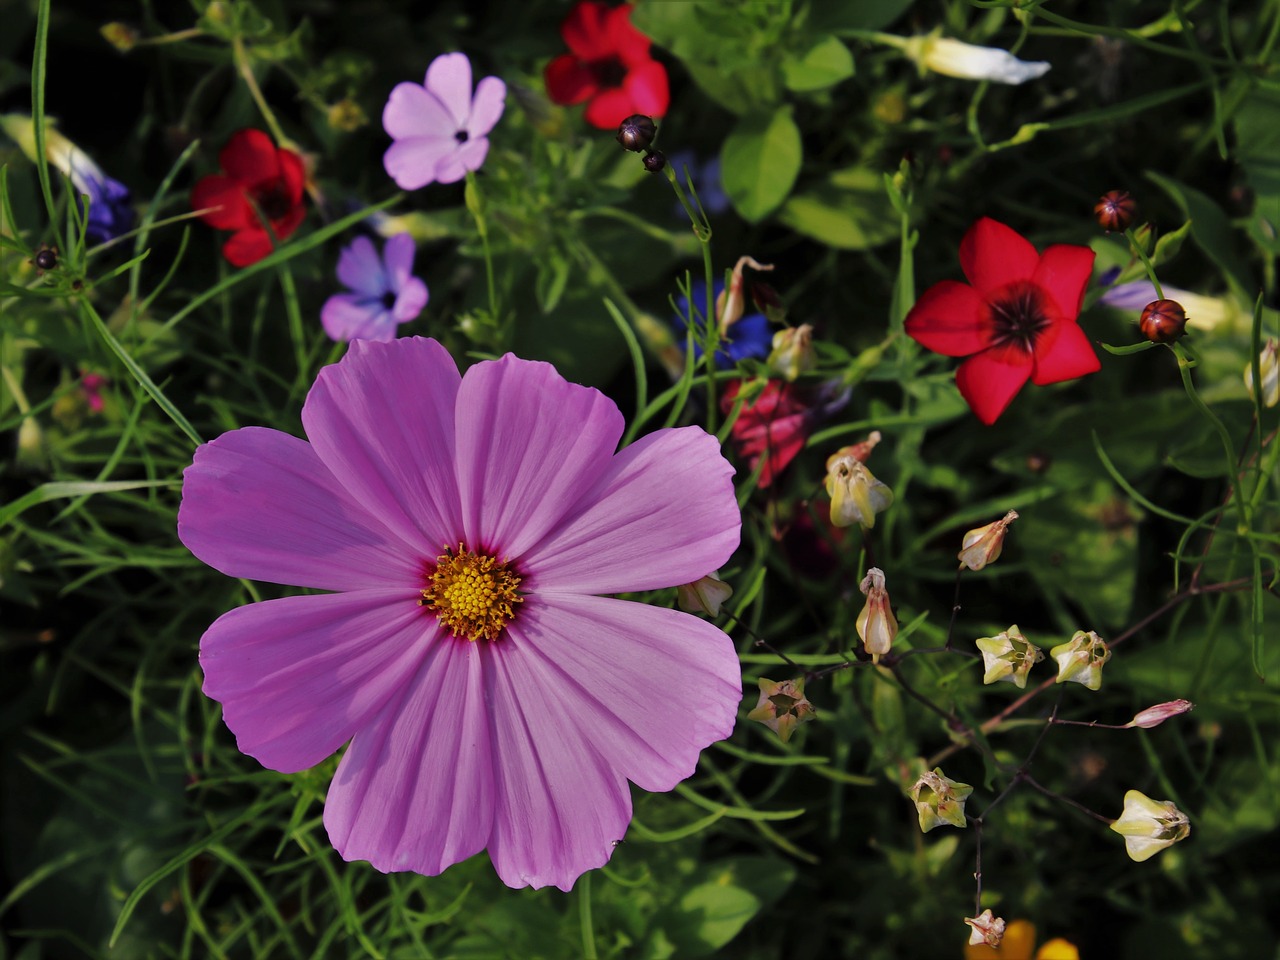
250	157
1064	271
628	43
569	81
289	222
246	247
989	380
646	86
586	30
232	210
992	255
950	318
1063	352
609	108
293	173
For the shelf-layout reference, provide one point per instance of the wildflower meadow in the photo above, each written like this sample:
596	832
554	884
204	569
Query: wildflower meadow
670	479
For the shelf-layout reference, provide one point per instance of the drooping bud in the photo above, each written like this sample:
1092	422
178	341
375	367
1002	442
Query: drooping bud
792	351
704	595
939	800
782	706
1163	321
1115	210
1148	826
1154	716
983	545
856	495
876	624
1269	367
954	58
120	35
731	303
1081	659
654	161
636	132
987	928
1008	656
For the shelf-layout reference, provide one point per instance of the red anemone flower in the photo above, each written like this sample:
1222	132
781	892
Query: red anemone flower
608	65
1015	320
260	189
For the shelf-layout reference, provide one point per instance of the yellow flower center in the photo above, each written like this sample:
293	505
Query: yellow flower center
473	594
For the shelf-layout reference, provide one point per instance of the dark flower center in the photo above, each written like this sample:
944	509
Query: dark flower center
608	73
273	200
388	300
1018	315
461	136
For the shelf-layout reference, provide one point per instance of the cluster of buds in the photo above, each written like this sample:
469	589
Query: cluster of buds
876	625
1008	656
1269	368
1081	659
1148	826
983	545
856	495
636	133
782	706
939	800
704	595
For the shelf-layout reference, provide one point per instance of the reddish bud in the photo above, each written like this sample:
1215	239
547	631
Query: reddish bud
1154	716
1163	321
1115	210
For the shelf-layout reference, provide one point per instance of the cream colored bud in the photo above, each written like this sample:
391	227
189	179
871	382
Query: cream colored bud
876	624
731	304
792	351
1008	656
939	800
856	495
704	595
1148	826
983	545
1270	370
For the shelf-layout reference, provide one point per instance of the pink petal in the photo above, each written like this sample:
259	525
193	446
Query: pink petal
1063	353
1064	273
646	85
412	162
562	805
416	788
529	445
411	111
297	677
449	80
452	167
992	254
259	504
382	421
990	380
950	318
649	687
347	316
664	513
360	268
486	109
409	303
397	256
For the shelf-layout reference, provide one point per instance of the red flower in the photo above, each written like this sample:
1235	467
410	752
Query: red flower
1016	321
776	424
260	188
609	65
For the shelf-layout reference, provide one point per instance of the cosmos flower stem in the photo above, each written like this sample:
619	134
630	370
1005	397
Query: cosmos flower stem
297	330
1136	247
475	203
584	917
245	68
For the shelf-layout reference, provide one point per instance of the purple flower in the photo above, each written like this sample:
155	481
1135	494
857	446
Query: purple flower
440	130
384	292
706	181
748	339
468	526
110	213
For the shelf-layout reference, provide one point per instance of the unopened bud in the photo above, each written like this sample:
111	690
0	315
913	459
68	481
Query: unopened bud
1115	210
876	624
856	495
983	545
636	132
731	303
792	351
704	595
120	35
1270	370
1163	321
654	161
346	115
1154	716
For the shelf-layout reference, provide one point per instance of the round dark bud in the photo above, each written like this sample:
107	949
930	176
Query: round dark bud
654	161
636	132
46	258
1163	321
1115	210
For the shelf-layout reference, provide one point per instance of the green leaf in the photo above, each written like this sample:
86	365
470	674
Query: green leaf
823	65
1168	246
57	490
760	160
850	211
1257	125
1209	227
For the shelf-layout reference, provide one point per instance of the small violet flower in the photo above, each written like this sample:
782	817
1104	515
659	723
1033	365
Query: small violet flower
1015	320
258	196
1148	826
954	58
384	291
440	130
608	67
782	706
939	800
1008	656
1081	659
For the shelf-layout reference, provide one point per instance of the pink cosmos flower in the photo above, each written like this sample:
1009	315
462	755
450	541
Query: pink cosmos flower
440	131
384	292
467	526
1015	320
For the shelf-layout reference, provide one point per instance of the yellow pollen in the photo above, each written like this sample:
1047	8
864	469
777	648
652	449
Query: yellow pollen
473	594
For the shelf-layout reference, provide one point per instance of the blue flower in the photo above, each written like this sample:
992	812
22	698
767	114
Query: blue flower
749	338
706	181
384	292
110	214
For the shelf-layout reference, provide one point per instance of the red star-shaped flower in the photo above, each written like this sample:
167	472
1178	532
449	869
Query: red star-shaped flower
1015	320
609	66
258	180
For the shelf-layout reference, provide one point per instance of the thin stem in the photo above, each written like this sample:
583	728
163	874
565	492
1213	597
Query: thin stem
1031	782
475	204
245	69
584	917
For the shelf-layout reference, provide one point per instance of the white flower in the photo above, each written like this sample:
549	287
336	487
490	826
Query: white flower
954	58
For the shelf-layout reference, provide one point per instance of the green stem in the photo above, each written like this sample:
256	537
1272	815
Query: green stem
1136	247
475	204
245	68
584	917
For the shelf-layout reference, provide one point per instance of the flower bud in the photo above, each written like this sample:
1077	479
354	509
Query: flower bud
792	351
876	624
46	258
1163	321
987	928
939	800
731	303
704	595
1270	370
636	132
782	706
1154	716
1081	659
346	115
120	35
1148	826
1115	211
856	495
1008	656
983	545
654	161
